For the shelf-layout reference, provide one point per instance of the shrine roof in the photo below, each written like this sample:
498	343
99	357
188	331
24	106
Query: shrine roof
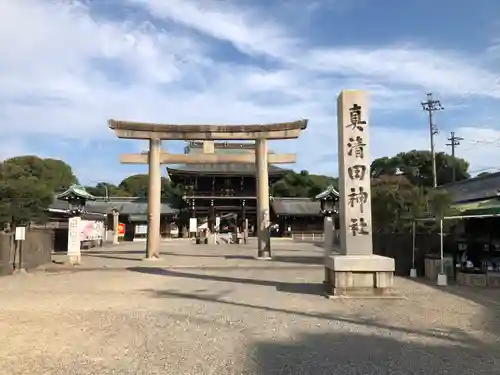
226	169
477	188
75	191
295	207
328	192
124	205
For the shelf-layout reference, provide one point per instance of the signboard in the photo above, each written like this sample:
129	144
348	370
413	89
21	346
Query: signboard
121	229
141	229
91	230
74	236
20	233
193	225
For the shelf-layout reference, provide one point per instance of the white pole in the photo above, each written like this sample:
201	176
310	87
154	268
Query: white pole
441	246
413	271
442	279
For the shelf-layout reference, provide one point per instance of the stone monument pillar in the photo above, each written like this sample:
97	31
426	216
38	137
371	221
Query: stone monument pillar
264	241
328	231
74	243
357	271
245	231
115	226
154	200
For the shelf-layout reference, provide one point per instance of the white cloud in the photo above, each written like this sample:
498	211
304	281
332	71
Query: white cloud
66	69
249	30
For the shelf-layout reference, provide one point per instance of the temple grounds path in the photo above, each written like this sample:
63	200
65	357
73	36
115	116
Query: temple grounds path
216	310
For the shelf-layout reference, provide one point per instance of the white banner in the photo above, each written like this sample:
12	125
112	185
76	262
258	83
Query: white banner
193	225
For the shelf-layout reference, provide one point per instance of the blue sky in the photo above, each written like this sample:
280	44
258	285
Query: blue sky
68	66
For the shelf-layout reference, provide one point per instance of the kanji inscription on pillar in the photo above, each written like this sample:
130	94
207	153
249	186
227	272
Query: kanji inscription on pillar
354	173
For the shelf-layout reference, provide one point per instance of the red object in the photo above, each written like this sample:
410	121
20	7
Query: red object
121	229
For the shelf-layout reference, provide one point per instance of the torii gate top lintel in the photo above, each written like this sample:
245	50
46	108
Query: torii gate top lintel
139	130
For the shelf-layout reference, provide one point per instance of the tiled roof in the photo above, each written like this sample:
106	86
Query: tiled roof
75	190
330	191
249	169
296	207
477	188
130	206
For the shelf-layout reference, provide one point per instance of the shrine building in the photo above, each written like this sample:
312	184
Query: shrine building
219	190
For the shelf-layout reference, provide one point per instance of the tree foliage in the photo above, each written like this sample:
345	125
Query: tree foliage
416	166
396	202
137	186
103	189
301	184
27	187
55	174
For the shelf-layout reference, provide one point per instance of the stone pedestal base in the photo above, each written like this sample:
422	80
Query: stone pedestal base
74	258
359	275
442	280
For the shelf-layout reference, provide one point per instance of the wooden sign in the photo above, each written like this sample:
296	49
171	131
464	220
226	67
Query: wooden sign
20	233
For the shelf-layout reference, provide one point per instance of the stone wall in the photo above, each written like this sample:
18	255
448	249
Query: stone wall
6	254
37	250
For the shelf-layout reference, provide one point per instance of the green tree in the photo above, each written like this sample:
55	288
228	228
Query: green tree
417	167
301	184
394	202
137	186
55	174
24	200
103	188
27	187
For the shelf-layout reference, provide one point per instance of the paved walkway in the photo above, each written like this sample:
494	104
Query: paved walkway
224	315
184	253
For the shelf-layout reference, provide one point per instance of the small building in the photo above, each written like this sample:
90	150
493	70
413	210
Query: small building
132	212
473	238
296	216
75	202
477	198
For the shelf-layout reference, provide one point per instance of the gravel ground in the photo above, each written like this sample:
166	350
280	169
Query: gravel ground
238	320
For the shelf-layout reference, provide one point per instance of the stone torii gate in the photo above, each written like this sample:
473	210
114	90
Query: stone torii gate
155	133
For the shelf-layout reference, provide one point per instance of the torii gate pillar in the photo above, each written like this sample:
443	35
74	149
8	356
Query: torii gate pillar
263	230
154	200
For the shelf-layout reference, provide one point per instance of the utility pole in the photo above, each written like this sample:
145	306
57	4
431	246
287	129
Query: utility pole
430	106
455	141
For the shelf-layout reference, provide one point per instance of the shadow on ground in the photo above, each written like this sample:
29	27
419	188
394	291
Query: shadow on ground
135	256
353	353
489	298
299	288
454	336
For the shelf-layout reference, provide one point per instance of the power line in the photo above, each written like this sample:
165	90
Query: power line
455	141
430	106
